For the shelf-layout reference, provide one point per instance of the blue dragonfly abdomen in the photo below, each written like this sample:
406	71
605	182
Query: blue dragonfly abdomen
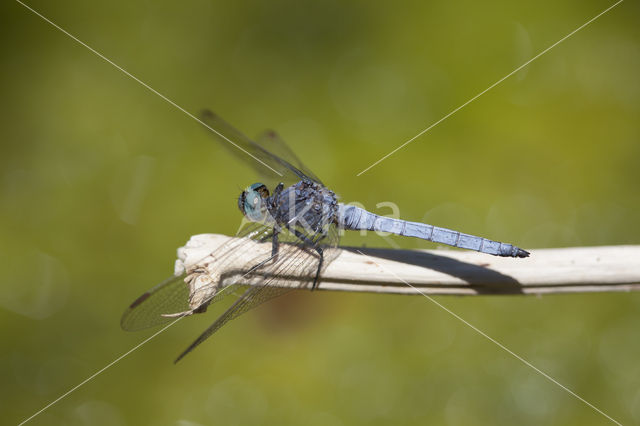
356	218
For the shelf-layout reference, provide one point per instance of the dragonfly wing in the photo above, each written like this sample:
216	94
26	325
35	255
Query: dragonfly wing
295	267
168	297
268	164
174	295
239	307
273	142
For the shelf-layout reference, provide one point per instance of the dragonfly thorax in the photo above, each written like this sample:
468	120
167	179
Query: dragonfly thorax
306	205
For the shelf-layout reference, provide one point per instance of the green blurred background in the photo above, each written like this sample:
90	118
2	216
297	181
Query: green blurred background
101	180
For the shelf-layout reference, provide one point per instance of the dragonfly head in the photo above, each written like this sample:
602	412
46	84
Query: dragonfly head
252	202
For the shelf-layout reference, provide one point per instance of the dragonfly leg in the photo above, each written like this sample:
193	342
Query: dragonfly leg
319	238
315	280
316	247
278	189
275	245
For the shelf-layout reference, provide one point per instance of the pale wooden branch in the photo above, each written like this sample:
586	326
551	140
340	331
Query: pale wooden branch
457	272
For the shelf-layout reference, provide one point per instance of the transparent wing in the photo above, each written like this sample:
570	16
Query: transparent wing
173	295
280	166
272	142
295	267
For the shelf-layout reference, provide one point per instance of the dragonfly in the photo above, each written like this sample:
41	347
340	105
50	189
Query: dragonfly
290	235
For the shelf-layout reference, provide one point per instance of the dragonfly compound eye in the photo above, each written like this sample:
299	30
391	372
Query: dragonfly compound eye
251	202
